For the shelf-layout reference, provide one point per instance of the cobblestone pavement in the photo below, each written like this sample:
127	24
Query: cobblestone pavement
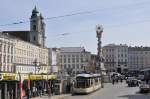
117	91
53	97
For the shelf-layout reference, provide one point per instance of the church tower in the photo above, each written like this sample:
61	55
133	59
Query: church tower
37	28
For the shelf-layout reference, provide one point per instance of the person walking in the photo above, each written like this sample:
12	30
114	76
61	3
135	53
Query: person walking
52	89
48	90
40	90
27	93
113	80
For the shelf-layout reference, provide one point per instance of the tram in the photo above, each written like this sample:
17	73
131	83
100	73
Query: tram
86	83
145	74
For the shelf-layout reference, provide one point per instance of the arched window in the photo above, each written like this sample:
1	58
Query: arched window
34	38
34	27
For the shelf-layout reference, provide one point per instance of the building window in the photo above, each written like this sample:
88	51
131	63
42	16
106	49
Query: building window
73	60
81	59
11	49
68	60
69	66
34	27
121	55
65	66
8	59
0	58
0	47
8	49
77	60
73	66
34	38
77	66
4	48
64	60
4	58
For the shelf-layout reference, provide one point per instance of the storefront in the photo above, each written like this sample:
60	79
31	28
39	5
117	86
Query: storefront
9	84
37	84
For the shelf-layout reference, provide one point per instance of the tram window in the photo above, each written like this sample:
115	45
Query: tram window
96	80
91	81
81	83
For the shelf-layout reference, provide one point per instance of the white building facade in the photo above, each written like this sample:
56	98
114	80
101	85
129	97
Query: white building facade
25	51
74	59
6	53
116	57
54	60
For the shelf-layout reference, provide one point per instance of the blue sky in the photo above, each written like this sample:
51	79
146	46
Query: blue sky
124	21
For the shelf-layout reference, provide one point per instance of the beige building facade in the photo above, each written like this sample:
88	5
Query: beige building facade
75	59
29	58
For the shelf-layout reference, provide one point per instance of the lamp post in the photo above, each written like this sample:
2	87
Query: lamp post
35	64
99	30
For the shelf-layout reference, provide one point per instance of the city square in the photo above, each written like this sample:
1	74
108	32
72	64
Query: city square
74	49
117	91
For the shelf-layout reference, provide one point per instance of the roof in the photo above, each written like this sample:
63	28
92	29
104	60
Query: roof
72	49
115	45
139	48
84	75
23	35
88	75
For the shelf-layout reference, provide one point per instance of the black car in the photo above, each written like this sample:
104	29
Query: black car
133	83
144	88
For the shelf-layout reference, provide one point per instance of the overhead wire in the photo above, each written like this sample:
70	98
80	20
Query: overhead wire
78	13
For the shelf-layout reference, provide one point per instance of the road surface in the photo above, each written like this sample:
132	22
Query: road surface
117	91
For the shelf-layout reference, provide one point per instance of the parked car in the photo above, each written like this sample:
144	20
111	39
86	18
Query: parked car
144	88
133	83
129	78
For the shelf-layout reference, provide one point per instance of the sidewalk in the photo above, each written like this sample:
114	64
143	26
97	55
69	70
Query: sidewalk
62	96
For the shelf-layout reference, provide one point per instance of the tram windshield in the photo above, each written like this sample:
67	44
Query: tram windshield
82	82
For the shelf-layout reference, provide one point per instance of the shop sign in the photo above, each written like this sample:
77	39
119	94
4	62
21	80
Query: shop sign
9	78
35	77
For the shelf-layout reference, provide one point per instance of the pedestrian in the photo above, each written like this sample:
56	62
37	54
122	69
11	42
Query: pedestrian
11	94
40	90
49	91
34	91
121	79
113	80
27	93
52	89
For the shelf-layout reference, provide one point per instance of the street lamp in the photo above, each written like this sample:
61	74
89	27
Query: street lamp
99	30
35	64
